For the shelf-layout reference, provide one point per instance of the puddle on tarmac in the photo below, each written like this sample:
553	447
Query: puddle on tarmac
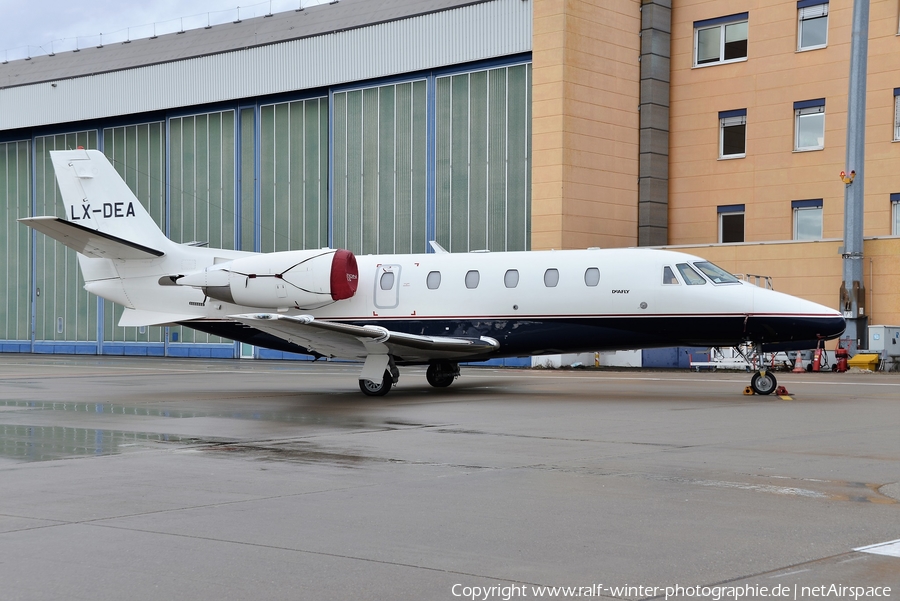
329	416
291	451
45	443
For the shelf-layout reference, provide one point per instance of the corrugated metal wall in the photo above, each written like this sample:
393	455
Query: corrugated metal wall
293	175
138	153
483	165
63	310
380	169
15	241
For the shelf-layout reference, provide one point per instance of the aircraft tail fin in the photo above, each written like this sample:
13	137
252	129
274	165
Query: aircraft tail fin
103	218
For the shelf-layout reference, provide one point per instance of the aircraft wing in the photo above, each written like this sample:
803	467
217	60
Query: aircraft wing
90	242
336	339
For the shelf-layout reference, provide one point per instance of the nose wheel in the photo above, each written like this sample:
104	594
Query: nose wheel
763	382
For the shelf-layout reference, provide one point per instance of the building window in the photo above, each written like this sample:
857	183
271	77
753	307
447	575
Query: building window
809	124
812	32
897	114
895	214
721	40
807	219
733	134
731	223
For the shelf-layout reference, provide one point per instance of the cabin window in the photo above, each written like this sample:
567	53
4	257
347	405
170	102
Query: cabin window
691	277
472	279
387	280
716	274
433	281
551	278
511	278
669	276
591	276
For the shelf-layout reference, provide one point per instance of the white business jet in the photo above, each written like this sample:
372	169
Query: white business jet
434	309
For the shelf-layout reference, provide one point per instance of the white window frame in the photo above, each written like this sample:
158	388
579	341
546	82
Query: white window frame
895	218
803	115
896	115
817	11
731	122
743	230
801	212
722	27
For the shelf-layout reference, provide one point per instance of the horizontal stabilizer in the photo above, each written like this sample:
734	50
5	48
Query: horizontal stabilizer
137	318
90	242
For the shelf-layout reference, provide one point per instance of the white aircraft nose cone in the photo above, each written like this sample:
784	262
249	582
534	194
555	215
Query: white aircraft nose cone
780	317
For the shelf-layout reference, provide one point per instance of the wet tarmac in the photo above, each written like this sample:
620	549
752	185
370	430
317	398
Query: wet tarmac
141	478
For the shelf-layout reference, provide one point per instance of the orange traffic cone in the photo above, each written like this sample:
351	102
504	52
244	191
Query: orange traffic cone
798	365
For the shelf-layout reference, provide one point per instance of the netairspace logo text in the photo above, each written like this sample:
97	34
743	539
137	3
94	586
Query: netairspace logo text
712	593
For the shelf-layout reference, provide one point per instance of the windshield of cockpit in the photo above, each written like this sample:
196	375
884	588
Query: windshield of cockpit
716	274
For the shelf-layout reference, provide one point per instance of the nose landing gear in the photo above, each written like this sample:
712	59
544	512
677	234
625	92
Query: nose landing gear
763	381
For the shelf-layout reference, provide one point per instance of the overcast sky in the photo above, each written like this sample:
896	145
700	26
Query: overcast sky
37	23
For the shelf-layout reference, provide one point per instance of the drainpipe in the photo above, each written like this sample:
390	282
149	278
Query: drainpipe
853	291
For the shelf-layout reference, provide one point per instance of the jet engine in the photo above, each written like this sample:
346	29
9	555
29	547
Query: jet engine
299	279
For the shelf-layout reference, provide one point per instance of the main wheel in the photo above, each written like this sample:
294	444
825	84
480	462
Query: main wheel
763	384
441	374
370	388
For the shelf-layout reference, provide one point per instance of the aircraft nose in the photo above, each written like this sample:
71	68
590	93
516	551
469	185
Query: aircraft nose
783	318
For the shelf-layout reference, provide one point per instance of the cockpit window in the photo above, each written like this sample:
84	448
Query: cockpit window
669	276
716	274
691	277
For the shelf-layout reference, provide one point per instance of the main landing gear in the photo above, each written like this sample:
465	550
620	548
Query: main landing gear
370	388
440	374
381	388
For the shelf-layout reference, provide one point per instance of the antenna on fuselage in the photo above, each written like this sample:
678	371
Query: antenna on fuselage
437	248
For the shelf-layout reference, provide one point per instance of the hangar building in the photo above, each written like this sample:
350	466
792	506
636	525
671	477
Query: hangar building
378	125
